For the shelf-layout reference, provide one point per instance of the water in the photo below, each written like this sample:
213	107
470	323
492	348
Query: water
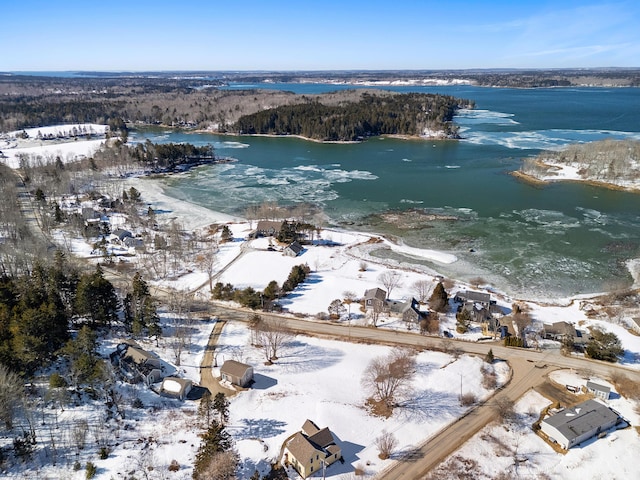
535	242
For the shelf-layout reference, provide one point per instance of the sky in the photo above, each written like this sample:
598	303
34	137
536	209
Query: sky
317	35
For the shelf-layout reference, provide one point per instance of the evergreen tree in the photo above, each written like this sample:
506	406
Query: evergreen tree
439	299
221	405
214	440
140	310
96	297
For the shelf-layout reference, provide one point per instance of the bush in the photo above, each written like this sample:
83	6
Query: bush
57	381
90	470
137	403
103	453
604	346
174	466
76	466
468	399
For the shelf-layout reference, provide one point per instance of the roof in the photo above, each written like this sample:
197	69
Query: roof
560	328
175	384
598	387
137	354
378	293
309	428
323	438
267	225
300	447
583	418
234	368
295	247
472	296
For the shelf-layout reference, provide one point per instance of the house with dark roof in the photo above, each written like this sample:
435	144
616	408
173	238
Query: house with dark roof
471	297
564	332
236	373
574	425
375	297
293	249
136	364
310	450
598	390
268	228
408	310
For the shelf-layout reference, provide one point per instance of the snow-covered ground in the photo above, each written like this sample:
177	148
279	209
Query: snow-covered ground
320	380
69	142
515	451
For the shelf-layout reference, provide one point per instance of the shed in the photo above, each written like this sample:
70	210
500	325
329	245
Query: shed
574	425
236	373
598	390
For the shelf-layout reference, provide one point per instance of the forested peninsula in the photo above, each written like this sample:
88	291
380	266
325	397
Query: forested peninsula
410	114
611	163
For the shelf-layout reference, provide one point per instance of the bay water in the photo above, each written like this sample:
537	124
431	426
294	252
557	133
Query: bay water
531	241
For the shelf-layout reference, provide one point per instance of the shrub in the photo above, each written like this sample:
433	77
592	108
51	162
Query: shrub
174	466
468	399
90	470
57	381
103	453
137	403
77	466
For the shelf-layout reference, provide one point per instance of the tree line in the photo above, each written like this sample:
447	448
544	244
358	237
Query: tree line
372	115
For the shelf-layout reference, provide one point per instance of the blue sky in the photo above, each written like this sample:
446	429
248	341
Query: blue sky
317	35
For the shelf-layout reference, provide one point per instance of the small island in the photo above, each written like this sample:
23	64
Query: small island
369	115
609	163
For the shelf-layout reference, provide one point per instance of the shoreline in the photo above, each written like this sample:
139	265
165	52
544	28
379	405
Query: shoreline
193	217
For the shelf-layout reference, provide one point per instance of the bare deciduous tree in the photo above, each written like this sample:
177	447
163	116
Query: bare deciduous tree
390	279
349	298
272	334
386	443
221	466
387	378
421	289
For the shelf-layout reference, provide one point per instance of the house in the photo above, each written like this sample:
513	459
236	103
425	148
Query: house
471	297
635	324
293	250
411	312
175	387
122	234
88	213
133	242
564	332
574	425
491	326
236	373
311	450
136	363
598	390
375	297
268	228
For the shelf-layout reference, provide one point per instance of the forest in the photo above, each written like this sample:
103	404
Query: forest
372	115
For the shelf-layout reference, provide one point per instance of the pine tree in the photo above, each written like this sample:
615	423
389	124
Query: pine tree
439	299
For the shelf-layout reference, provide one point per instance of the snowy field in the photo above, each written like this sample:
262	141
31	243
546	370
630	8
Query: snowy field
320	380
69	142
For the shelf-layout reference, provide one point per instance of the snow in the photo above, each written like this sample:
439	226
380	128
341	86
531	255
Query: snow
171	386
610	457
307	382
69	148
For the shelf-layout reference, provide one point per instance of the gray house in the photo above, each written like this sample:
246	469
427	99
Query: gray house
598	390
564	332
375	297
268	228
236	373
471	297
574	425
